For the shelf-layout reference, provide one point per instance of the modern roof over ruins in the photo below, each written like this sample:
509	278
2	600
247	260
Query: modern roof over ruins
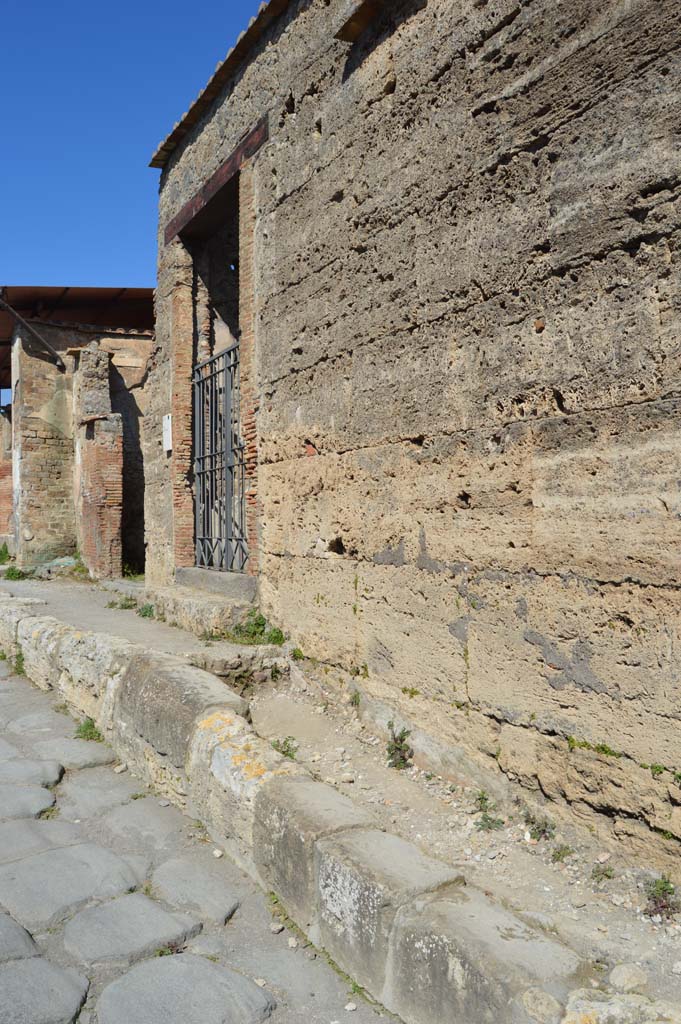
118	308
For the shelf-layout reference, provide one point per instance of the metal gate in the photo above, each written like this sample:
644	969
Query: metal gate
219	464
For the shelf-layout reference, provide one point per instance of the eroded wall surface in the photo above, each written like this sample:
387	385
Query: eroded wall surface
467	335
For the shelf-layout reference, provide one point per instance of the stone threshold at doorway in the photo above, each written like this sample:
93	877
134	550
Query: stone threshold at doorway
404	926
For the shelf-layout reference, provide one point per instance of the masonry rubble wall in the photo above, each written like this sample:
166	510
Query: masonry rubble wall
78	479
393	918
466	323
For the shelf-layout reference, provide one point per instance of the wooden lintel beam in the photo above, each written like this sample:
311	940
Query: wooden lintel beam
248	147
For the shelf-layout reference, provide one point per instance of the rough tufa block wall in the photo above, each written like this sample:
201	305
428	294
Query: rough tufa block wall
467	342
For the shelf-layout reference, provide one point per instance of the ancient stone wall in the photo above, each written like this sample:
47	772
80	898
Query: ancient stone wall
467	344
79	482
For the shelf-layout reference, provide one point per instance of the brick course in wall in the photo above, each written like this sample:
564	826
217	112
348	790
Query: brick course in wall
100	508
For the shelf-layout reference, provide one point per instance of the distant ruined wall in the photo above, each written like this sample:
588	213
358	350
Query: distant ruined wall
42	425
78	473
467	342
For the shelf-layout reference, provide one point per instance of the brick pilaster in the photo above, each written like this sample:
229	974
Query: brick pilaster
182	349
249	384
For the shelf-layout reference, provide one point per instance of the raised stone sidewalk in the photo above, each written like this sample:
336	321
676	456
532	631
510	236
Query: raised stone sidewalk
405	927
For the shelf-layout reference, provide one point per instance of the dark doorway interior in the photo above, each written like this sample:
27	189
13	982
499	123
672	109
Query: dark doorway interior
124	401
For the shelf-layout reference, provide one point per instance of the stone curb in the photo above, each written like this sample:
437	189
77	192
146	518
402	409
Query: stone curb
403	925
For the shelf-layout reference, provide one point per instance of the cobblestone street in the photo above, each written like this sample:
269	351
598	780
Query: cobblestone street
117	909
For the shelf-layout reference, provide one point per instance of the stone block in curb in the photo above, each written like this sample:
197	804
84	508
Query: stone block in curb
183	989
42	890
24	837
126	929
191	885
589	1007
36	992
458	955
24	801
160	698
364	877
92	665
227	766
290	816
24	772
15	942
40	639
75	754
11	614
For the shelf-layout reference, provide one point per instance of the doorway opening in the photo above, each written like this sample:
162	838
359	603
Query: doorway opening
218	447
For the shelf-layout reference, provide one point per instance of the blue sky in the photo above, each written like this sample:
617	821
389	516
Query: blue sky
88	92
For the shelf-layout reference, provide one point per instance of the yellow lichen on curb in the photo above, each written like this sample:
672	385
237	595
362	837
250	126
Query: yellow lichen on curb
218	720
250	768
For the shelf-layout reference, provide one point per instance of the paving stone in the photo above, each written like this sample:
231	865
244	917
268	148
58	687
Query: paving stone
15	942
144	820
7	750
24	801
41	890
187	883
94	791
183	989
22	838
127	929
140	864
24	772
75	753
43	721
36	992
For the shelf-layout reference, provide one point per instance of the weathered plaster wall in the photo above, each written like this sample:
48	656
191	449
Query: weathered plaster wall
467	334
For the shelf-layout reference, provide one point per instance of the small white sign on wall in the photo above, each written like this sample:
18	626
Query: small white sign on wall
168	433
